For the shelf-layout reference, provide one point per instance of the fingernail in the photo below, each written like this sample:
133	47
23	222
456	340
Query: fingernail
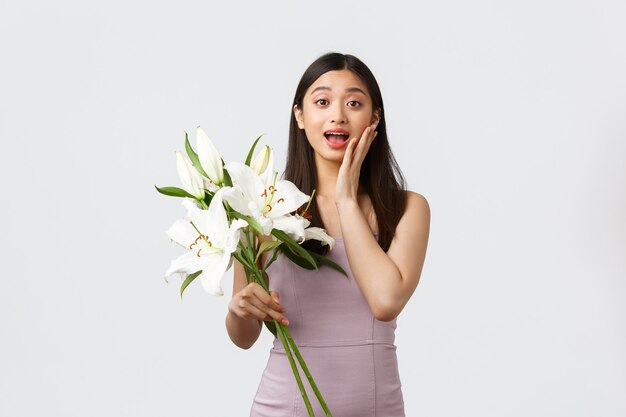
285	322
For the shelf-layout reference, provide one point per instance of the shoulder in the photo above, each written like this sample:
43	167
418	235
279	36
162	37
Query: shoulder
414	224
416	205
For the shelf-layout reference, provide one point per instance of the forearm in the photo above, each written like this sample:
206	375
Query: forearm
242	332
377	275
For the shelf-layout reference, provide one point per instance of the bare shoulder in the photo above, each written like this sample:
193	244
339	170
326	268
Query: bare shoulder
414	225
417	207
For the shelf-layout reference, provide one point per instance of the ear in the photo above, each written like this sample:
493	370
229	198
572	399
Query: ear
376	116
298	114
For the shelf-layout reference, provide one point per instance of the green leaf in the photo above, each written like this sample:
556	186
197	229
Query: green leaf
296	259
174	192
193	156
253	223
251	152
208	196
227	180
320	259
268	245
188	281
270	326
293	245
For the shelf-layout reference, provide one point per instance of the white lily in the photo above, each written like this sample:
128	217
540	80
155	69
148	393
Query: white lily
267	176
189	176
267	204
316	233
259	163
210	241
210	159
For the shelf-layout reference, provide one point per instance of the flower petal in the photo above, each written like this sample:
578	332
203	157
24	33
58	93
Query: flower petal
238	201
292	199
209	157
215	220
267	176
211	277
247	181
186	264
232	239
189	176
182	232
320	234
291	225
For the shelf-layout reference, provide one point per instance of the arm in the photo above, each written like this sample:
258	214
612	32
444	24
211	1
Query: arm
387	280
244	333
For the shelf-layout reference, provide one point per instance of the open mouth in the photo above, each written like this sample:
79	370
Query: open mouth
336	137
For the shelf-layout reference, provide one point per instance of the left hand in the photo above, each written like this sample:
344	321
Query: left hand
348	178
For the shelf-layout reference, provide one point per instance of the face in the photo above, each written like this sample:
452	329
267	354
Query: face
339	101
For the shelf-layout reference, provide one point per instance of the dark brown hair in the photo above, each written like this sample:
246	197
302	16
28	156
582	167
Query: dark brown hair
380	175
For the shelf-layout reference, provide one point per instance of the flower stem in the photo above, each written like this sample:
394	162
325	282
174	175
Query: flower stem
296	373
287	341
306	372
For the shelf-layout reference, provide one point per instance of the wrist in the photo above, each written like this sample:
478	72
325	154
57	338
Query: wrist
346	202
346	207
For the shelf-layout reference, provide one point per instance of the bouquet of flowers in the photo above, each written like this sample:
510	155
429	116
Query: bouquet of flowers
227	205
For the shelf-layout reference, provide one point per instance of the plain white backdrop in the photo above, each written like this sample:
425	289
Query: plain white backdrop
508	116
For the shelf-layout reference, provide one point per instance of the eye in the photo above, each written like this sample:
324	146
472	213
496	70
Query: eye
354	101
321	99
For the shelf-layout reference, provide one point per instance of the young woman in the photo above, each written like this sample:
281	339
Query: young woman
344	327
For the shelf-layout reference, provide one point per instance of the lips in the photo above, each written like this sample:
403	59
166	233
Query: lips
337	135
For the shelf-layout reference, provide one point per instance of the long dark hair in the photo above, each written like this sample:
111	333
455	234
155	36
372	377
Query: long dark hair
380	175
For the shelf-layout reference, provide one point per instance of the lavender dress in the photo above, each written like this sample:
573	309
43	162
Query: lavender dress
350	354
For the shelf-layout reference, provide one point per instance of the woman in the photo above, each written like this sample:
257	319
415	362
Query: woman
344	328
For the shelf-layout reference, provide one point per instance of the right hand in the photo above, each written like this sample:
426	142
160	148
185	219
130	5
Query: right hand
254	303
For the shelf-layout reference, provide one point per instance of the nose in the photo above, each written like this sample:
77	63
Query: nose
338	115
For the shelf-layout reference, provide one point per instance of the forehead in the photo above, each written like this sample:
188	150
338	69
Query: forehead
338	81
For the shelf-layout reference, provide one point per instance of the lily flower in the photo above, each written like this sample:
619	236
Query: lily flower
189	176
316	233
209	241
259	164
210	159
267	204
267	176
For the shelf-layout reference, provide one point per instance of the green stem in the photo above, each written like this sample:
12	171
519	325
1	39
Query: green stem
287	341
318	394
296	373
203	204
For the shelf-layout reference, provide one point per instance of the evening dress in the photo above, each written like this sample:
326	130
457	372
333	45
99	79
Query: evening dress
351	355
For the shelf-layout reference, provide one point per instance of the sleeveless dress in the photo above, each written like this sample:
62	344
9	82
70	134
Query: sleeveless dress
350	354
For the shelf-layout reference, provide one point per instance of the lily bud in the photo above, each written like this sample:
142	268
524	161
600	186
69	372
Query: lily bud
190	178
209	157
267	175
260	161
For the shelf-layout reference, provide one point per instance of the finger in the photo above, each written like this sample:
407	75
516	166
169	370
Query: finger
275	297
269	300
266	298
347	156
269	313
363	144
252	311
255	291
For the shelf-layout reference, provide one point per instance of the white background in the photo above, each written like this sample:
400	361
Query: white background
509	117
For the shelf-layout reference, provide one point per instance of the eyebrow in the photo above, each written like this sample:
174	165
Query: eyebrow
348	90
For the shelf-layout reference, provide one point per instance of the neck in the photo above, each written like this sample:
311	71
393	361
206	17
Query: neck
327	172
